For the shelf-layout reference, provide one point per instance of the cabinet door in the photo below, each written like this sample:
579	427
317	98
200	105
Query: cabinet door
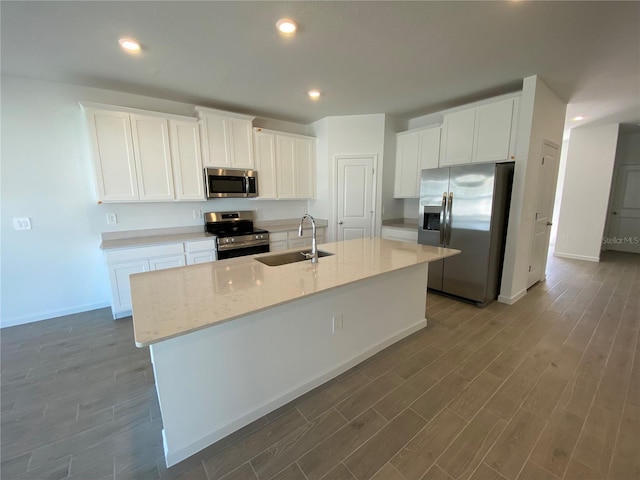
286	166
278	246
161	263
114	161
240	143
215	147
493	131
458	137
153	157
264	143
407	158
305	177
201	257
429	151
186	160
300	242
120	288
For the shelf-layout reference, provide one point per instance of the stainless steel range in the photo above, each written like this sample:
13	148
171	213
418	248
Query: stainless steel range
236	234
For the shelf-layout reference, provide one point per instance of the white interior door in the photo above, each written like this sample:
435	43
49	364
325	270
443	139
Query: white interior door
356	194
624	230
547	179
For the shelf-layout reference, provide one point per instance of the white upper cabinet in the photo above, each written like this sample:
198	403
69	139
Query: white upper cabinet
144	156
480	134
113	158
457	142
492	139
227	139
415	151
184	137
286	165
153	157
265	147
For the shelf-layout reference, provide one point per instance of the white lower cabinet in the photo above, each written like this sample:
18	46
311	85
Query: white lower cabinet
280	241
400	234
200	251
126	261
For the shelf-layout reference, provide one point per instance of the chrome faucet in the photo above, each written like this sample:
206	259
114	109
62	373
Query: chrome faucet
314	245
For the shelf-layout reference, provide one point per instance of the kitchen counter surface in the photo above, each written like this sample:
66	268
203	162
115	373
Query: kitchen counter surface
274	226
405	224
154	240
173	302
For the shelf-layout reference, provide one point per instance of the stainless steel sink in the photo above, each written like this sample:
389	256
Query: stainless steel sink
288	257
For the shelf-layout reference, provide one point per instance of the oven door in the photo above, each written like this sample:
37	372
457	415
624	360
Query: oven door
240	252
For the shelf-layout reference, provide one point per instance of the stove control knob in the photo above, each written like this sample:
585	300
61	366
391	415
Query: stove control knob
232	240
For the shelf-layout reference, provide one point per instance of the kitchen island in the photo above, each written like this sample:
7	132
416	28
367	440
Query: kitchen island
232	340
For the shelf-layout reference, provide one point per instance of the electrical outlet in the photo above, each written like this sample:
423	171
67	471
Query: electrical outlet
197	214
565	238
112	218
22	223
337	323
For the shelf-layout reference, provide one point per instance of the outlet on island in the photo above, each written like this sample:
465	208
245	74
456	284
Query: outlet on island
337	323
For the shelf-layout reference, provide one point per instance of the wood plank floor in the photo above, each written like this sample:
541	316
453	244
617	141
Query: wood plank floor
547	388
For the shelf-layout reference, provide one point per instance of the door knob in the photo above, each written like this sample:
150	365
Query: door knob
340	222
615	213
549	224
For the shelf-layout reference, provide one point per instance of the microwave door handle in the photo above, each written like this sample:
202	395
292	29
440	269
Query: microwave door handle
247	186
443	217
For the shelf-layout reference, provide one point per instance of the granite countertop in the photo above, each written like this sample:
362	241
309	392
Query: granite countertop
176	301
287	225
404	223
162	236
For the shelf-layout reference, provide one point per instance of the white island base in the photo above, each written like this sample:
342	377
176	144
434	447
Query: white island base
213	381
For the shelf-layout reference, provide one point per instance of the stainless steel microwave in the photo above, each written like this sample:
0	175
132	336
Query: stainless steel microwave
222	183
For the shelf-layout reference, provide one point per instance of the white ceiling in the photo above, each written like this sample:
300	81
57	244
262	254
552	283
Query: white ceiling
401	58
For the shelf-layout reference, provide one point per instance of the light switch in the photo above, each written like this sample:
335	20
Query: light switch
112	218
22	223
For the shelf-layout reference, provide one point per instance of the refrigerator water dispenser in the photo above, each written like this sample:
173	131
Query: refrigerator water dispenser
431	218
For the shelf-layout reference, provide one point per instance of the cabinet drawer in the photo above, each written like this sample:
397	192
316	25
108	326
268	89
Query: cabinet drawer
128	254
401	234
200	245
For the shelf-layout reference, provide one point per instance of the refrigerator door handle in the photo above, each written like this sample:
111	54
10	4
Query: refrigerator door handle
449	207
443	217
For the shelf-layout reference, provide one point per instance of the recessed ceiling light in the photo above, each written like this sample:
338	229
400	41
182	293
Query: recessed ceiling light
314	94
286	26
130	45
577	118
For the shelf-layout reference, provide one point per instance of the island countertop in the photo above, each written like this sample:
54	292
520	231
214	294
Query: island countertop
173	302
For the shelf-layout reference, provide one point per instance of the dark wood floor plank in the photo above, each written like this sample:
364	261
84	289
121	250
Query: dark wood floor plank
328	454
380	448
296	444
553	449
471	399
466	452
437	397
364	398
417	457
405	394
511	450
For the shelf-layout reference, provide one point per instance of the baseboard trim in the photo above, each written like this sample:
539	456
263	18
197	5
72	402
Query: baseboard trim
176	456
12	322
512	299
576	257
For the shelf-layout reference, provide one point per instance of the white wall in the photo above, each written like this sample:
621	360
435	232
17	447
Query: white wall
57	267
541	118
345	135
585	195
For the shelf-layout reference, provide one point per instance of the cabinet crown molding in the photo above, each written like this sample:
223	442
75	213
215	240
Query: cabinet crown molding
199	111
135	111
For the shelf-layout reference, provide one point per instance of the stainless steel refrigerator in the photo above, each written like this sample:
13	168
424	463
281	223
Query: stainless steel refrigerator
466	207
